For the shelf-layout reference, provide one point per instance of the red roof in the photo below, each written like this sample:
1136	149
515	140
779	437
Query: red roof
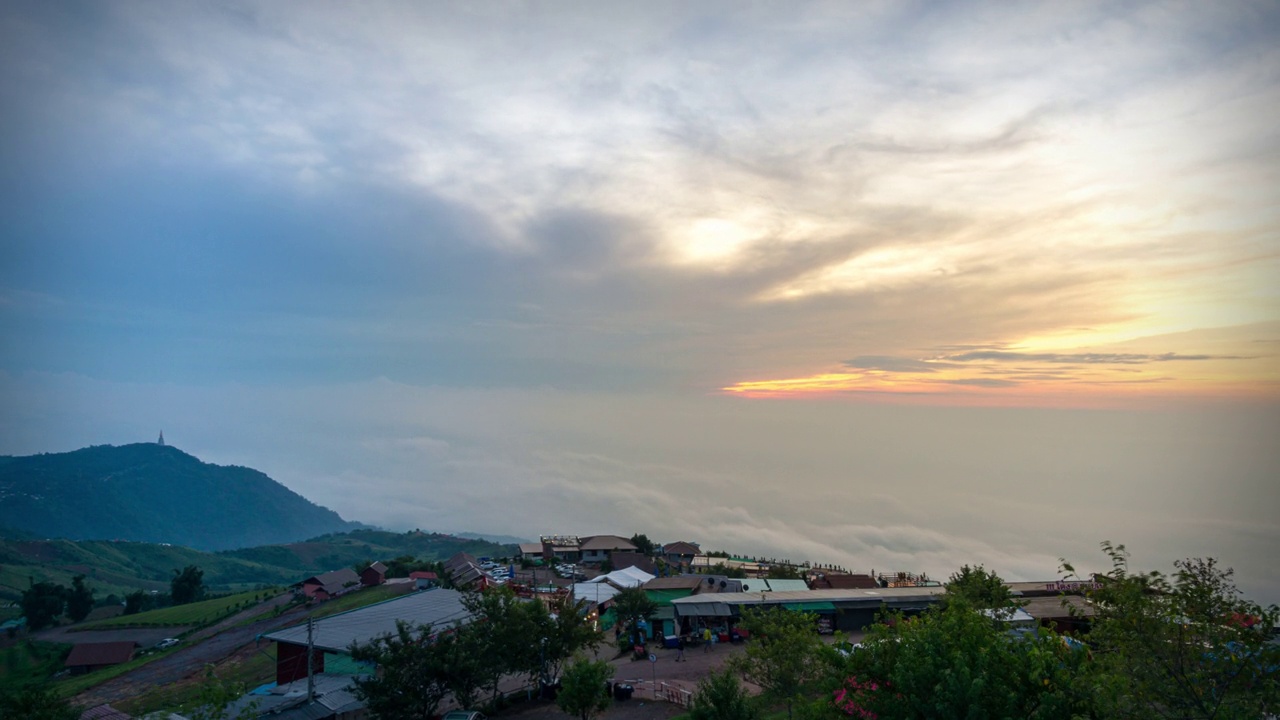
422	575
840	581
107	653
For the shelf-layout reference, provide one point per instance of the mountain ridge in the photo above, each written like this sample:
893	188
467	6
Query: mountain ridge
148	492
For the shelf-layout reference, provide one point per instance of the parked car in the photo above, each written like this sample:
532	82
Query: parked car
463	715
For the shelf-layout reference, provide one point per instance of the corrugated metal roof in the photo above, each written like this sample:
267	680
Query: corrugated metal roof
683	582
437	608
105	653
785	585
1051	607
345	576
606	542
887	595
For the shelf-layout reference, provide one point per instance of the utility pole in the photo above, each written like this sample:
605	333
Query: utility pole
311	648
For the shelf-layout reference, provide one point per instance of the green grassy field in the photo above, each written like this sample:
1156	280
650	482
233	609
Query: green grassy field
30	662
198	613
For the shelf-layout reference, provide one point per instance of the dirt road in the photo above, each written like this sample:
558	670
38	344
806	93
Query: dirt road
188	660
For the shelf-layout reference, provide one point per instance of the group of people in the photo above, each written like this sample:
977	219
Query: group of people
707	637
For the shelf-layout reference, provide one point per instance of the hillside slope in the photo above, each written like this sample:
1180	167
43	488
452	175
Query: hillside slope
122	567
154	493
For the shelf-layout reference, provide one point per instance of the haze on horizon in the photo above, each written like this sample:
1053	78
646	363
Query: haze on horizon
891	285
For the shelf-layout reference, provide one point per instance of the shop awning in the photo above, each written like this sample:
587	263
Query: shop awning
813	607
704	609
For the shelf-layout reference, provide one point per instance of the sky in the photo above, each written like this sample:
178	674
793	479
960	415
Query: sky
892	285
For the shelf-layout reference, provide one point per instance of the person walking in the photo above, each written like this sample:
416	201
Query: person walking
706	639
679	648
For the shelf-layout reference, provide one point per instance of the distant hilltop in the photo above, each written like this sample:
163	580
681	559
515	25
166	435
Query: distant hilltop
152	492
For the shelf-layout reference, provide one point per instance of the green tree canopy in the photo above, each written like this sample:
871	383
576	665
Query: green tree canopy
187	585
413	674
632	605
783	654
79	599
1186	647
980	588
567	633
583	692
42	603
35	702
644	544
507	632
955	662
721	696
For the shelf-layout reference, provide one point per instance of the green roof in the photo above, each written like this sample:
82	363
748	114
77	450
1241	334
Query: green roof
819	606
664	597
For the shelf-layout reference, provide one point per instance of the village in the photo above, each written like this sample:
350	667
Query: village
694	623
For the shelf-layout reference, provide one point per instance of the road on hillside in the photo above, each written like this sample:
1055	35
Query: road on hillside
146	637
191	658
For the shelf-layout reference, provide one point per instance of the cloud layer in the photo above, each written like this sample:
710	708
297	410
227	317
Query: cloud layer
526	267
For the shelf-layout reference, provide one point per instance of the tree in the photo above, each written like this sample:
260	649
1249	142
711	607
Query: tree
42	603
980	588
137	601
506	632
35	702
783	572
954	662
583	693
720	696
464	669
782	657
1186	647
566	633
412	676
632	605
187	585
643	544
79	599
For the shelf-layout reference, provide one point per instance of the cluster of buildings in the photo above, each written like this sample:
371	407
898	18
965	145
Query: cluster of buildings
315	673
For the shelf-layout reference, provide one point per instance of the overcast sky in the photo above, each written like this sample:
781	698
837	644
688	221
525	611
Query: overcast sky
892	285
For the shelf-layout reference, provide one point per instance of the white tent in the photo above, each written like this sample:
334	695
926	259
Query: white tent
625	578
594	592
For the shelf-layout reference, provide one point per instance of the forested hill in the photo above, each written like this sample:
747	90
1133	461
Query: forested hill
122	567
154	493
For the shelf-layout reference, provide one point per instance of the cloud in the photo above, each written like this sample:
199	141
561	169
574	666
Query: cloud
893	364
1080	358
983	382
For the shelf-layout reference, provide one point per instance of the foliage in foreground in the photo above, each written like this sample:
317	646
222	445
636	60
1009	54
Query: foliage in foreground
36	702
1186	647
783	655
420	666
954	662
584	692
720	696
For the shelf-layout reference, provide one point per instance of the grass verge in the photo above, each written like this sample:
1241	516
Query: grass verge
197	613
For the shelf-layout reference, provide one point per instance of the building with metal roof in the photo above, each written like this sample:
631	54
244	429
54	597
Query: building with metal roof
438	609
87	657
851	609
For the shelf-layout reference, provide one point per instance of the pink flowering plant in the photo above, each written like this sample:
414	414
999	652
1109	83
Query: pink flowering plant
854	697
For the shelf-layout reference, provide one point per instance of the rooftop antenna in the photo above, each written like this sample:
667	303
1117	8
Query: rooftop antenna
160	442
